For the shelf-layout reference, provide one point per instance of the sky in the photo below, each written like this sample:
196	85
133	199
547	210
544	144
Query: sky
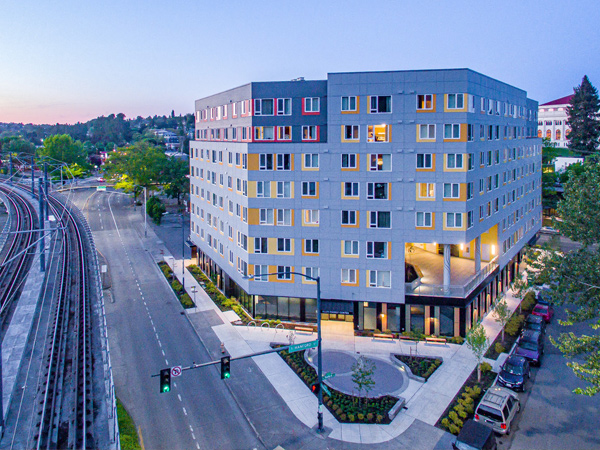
70	61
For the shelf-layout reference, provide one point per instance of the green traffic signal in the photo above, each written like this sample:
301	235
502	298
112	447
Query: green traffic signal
165	380
225	367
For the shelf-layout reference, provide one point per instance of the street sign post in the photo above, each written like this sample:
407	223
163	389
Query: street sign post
176	371
328	375
303	346
326	389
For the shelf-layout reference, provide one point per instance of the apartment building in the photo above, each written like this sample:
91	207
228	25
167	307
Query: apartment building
410	193
552	121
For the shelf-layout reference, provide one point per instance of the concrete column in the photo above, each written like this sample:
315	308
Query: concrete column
477	254
446	265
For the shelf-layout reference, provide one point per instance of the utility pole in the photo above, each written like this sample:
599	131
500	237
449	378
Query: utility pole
46	190
10	165
145	214
32	177
182	251
42	226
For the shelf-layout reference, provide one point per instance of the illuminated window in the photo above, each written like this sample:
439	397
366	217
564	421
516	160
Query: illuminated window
426	190
380	162
378	133
284	133
424	102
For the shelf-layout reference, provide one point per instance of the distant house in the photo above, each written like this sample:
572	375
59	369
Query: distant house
171	139
552	121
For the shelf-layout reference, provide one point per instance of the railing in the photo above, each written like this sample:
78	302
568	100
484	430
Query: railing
437	290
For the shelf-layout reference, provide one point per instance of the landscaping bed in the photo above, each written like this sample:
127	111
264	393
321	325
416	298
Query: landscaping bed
183	297
410	334
512	330
421	366
463	405
345	408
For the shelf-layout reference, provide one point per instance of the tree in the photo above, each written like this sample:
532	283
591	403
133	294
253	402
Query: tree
582	117
501	314
175	177
62	147
477	341
362	376
575	276
16	145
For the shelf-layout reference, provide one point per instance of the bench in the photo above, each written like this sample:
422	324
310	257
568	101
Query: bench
408	338
435	340
383	336
304	329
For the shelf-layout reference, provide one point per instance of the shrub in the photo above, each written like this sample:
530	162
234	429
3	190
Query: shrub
334	407
514	324
351	417
476	392
329	403
499	348
360	416
370	417
343	417
457	340
376	331
186	301
453	429
379	418
485	367
445	423
176	285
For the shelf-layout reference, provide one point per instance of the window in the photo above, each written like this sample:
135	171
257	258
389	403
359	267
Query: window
470	219
380	219
284	245
426	190
260	272
348	161
311	104
453	220
311	216
263	107
284	106
380	104
263	189
452	131
283	273
261	245
349	276
311	246
377	250
284	133
470	190
424	102
379	278
309	133
349	217
455	161
350	189
265	161
309	188
311	160
350	247
284	161
426	131
351	132
349	103
456	101
284	189
380	162
378	133
284	217
312	271
377	191
266	216
423	219
470	133
451	190
424	161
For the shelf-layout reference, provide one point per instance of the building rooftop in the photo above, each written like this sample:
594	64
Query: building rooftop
559	101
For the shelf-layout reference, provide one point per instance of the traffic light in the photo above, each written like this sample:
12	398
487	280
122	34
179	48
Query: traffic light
225	363
315	388
165	380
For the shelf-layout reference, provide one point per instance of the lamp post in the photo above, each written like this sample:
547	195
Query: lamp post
183	251
319	345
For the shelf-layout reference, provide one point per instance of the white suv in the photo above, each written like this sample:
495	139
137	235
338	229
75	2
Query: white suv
497	409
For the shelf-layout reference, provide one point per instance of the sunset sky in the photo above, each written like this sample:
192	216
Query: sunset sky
70	61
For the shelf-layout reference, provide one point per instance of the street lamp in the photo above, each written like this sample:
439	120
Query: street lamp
319	353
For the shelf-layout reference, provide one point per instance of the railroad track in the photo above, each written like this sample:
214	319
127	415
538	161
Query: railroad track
16	254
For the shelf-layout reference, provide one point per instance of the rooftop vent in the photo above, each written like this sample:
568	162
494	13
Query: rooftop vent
298	79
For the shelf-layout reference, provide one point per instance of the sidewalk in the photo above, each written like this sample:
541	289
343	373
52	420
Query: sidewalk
424	401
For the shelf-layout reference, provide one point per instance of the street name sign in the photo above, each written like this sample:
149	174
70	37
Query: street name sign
328	375
100	188
326	390
303	346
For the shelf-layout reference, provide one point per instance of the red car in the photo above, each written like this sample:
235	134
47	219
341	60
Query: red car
544	311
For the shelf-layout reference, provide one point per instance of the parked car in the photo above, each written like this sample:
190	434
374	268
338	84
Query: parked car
514	373
545	311
100	180
475	436
530	346
497	409
549	230
535	323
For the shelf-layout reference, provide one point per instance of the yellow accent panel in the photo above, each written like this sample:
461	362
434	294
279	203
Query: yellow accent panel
253	216
419	134
463	134
490	236
419	188
463	109
357	280
273	278
432	227
250	269
368	103
389	256
432	165
272	246
251	189
357	105
463	228
253	161
465	163
348	141
429	110
308	196
462	197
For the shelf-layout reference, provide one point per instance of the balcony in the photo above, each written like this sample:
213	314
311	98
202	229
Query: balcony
463	279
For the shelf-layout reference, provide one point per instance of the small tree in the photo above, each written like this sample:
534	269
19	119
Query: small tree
501	314
362	375
477	342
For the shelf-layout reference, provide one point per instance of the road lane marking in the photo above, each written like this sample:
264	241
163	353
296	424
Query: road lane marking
163	352
191	429
193	437
197	446
179	397
184	411
167	363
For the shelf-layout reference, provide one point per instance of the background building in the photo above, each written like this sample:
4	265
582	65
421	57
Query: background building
410	193
552	121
